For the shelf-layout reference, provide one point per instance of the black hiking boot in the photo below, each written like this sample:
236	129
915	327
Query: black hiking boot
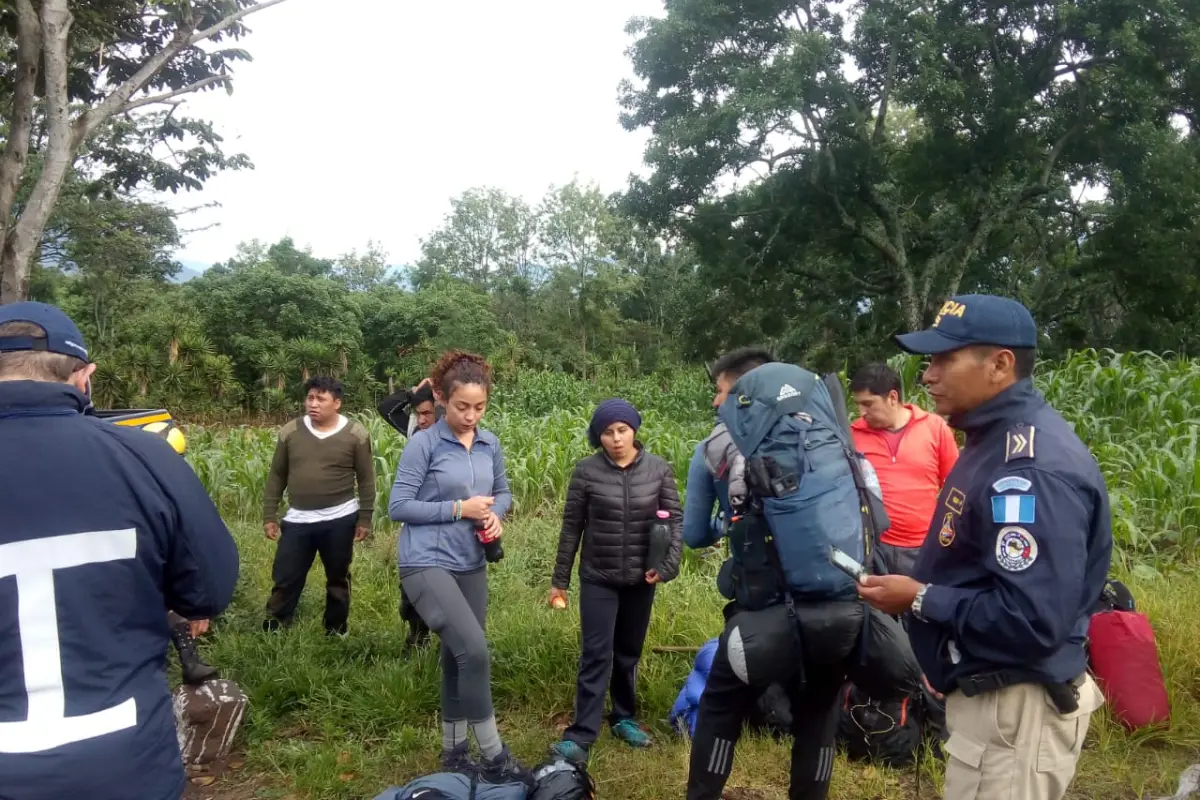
459	759
194	670
505	768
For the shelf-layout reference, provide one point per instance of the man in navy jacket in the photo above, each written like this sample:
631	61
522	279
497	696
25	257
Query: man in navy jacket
102	529
1016	556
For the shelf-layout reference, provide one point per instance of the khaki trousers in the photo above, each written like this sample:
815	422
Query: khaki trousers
1013	744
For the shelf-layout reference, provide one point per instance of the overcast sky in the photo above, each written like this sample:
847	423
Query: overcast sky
362	124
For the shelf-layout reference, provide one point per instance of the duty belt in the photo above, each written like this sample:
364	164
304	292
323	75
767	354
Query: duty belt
1065	695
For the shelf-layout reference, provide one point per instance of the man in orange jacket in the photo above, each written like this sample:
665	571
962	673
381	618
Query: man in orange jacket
912	452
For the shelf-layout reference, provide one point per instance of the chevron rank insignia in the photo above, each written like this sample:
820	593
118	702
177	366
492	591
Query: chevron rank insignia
1018	443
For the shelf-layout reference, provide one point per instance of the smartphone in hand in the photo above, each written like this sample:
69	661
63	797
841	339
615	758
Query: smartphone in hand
847	564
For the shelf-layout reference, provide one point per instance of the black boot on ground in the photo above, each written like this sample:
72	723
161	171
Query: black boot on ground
195	671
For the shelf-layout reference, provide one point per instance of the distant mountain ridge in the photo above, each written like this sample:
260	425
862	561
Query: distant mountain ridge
190	270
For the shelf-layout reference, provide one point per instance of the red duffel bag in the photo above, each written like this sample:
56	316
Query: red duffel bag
1124	660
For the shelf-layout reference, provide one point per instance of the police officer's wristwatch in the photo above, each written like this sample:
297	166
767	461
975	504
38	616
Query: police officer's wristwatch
918	601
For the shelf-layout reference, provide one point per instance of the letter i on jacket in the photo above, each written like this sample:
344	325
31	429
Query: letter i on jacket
623	506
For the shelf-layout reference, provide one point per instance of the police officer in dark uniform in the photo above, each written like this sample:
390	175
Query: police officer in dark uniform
1017	554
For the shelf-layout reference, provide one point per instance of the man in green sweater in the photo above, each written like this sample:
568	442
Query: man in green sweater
318	459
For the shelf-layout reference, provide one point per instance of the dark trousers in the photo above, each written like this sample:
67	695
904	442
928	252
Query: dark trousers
725	704
614	621
898	560
298	544
418	631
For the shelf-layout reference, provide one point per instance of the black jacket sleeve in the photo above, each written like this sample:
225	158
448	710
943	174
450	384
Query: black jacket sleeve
668	500
574	521
394	410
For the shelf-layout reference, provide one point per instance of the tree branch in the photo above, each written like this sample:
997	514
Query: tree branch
1053	155
888	81
166	96
850	222
182	40
16	146
1068	69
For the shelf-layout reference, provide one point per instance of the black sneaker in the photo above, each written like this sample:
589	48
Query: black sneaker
505	768
459	759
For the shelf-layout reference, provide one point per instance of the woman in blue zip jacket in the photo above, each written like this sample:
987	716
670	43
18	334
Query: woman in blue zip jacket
451	491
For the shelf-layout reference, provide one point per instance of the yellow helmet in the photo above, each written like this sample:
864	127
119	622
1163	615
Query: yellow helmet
172	434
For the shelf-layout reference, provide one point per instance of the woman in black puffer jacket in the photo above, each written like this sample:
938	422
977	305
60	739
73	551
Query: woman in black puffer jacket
612	502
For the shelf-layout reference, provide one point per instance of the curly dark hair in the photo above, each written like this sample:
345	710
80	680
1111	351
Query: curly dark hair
458	367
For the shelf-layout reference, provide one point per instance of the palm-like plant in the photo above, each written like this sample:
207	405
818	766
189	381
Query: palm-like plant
311	356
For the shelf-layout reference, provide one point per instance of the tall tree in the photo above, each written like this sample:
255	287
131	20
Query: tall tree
74	65
579	235
1003	104
487	236
362	272
110	243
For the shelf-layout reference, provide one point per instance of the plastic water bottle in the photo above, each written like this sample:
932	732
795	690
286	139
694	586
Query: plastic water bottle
660	541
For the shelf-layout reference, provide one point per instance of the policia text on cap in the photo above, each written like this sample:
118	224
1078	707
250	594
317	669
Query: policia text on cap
1017	552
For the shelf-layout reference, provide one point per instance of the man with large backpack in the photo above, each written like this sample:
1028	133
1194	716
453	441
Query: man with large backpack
794	619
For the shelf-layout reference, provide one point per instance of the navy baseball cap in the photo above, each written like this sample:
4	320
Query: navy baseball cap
62	335
968	319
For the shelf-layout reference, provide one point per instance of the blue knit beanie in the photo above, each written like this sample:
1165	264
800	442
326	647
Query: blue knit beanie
608	412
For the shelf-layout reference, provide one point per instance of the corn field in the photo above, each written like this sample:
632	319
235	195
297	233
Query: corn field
1138	412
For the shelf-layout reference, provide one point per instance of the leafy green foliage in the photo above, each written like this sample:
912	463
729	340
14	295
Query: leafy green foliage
841	168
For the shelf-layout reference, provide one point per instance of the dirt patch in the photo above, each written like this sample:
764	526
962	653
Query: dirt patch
225	780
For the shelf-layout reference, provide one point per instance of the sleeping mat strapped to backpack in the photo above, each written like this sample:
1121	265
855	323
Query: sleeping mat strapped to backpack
785	425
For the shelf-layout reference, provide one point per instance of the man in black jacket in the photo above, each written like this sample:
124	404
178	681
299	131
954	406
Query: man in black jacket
613	502
409	411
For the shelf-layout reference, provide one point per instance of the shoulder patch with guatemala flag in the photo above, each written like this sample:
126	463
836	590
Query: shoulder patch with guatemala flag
1013	508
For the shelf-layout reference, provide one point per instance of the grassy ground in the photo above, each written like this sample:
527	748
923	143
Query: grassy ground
345	718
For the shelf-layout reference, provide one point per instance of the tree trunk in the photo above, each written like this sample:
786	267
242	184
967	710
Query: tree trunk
22	240
911	305
16	148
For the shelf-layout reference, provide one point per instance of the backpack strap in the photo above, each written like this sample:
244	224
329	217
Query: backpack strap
837	394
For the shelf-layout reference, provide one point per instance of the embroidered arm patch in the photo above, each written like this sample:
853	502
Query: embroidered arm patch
1018	443
1011	482
1013	509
